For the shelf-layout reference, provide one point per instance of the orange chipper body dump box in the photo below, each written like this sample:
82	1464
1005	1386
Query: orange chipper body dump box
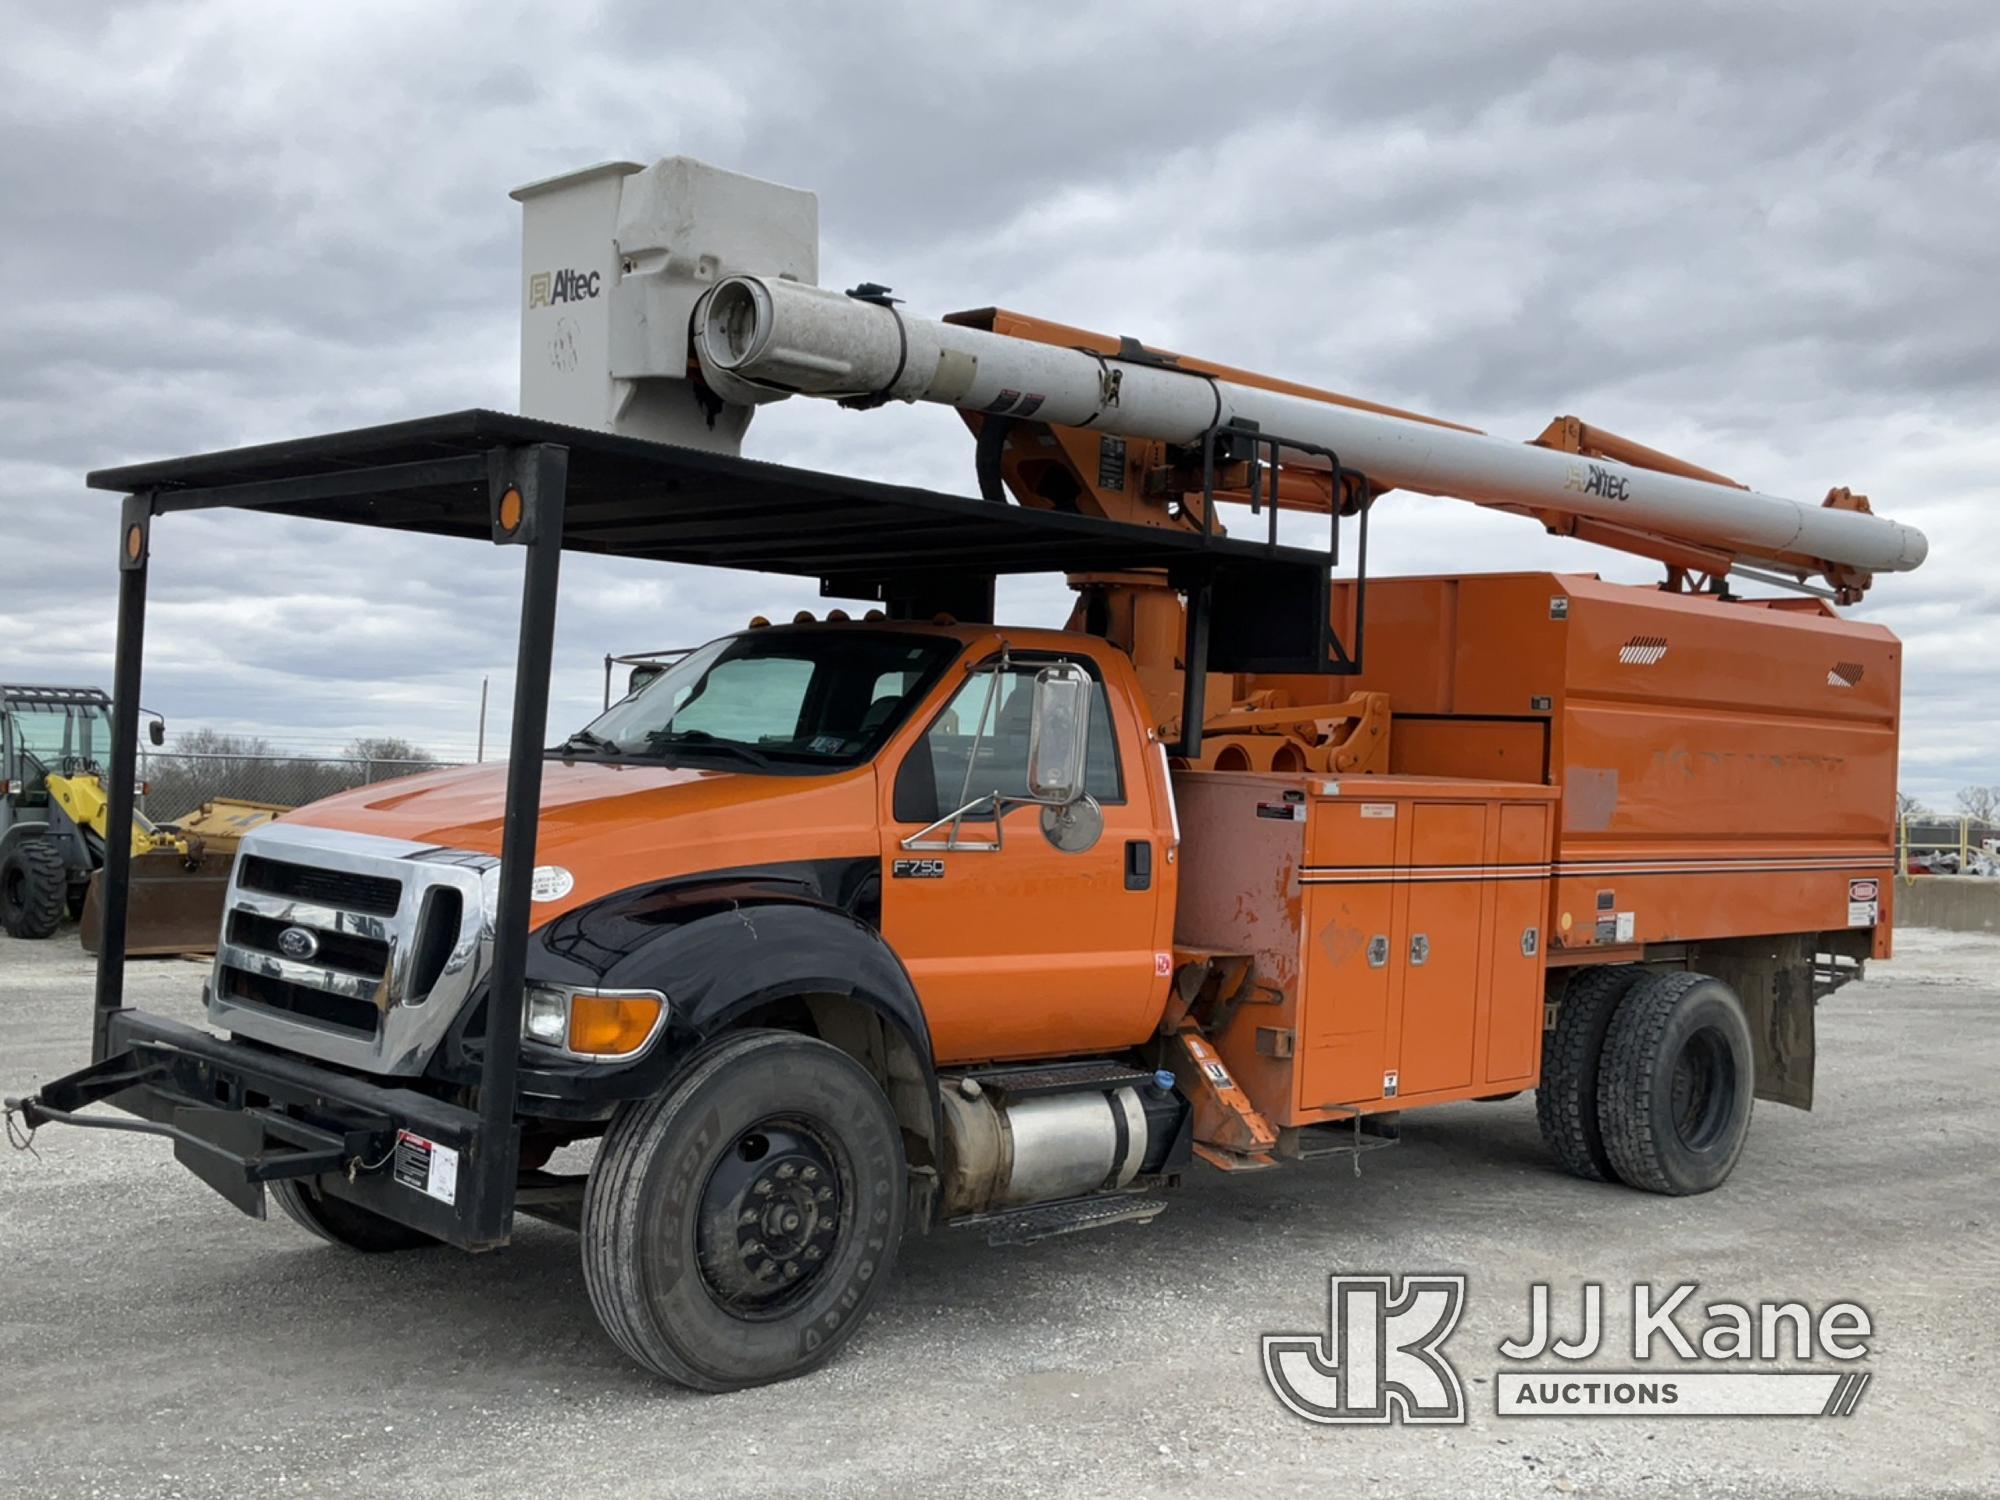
1725	769
1579	772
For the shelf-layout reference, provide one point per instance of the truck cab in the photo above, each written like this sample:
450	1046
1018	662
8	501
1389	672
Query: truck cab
797	764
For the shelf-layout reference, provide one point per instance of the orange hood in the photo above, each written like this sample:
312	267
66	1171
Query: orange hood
617	826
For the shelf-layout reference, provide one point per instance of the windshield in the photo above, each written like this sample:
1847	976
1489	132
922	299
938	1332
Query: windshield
774	701
50	736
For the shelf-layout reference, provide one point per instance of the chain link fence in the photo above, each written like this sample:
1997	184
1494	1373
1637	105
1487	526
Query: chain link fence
177	782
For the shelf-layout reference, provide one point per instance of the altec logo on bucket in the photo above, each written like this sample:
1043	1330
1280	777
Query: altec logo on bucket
1382	1357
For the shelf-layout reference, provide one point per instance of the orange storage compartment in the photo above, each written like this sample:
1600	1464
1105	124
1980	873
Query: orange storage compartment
1399	932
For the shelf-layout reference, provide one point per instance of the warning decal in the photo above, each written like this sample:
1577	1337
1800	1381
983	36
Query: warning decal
426	1166
1864	903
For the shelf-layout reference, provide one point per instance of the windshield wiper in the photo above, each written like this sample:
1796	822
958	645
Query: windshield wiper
586	739
701	739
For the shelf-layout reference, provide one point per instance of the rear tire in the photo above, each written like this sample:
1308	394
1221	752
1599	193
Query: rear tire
1675	1089
33	887
1566	1096
345	1224
739	1226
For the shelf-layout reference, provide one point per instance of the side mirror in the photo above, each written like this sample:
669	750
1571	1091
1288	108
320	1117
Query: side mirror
156	731
1058	733
641	675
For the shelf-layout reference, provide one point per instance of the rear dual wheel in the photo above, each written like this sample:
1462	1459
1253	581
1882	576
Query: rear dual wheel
1648	1079
1676	1084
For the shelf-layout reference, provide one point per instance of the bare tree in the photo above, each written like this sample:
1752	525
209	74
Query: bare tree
387	747
1979	803
1909	806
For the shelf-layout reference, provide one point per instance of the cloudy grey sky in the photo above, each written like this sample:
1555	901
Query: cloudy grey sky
1761	236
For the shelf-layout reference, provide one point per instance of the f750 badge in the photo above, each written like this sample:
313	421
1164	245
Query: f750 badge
917	869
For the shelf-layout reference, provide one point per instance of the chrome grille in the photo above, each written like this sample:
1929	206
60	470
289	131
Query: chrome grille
375	895
349	947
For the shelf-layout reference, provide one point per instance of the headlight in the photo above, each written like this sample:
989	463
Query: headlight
592	1023
545	1017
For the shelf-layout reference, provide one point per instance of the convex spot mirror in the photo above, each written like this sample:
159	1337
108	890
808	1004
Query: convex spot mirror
1059	727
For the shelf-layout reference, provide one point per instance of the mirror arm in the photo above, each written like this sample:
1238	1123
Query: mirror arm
972	760
921	840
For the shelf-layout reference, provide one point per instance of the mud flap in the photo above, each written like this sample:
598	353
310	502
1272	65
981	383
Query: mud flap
1774	979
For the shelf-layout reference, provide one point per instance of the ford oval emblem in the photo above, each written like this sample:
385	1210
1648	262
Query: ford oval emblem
298	942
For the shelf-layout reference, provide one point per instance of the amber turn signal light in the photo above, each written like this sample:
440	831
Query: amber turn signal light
612	1025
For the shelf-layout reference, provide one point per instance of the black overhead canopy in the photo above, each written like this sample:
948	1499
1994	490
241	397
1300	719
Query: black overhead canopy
631	498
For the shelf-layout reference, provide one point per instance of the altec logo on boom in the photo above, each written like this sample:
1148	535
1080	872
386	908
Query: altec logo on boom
546	288
1382	1358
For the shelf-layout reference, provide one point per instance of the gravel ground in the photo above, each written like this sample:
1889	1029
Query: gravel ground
162	1344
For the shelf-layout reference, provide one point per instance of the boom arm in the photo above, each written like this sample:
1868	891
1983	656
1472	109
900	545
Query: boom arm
762	338
669	302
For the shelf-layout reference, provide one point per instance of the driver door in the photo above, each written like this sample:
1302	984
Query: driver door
1028	950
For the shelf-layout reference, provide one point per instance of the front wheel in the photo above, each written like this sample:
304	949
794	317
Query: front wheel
339	1222
738	1227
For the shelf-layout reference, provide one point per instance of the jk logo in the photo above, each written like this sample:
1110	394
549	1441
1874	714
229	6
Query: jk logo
1380	1359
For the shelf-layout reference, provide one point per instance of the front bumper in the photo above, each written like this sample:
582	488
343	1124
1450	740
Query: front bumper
241	1117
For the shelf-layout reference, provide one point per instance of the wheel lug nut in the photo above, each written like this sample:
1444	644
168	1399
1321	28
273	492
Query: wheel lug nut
761	1188
824	1195
786	1170
813	1252
810	1174
791	1269
755	1247
748	1216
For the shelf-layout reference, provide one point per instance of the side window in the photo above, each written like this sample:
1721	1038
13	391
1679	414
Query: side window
954	762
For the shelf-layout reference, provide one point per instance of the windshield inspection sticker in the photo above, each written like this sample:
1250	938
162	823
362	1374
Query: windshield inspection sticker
426	1166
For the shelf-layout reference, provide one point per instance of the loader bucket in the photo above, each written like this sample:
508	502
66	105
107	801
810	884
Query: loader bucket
176	899
174	908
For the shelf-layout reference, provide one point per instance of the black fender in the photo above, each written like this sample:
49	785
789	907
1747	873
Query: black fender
719	968
719	946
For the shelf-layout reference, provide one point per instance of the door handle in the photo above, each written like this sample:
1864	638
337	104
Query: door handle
1420	949
1138	864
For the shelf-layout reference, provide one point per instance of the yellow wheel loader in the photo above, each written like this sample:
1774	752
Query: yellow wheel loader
55	821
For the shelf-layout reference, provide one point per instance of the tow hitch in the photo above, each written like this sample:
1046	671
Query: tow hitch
241	1117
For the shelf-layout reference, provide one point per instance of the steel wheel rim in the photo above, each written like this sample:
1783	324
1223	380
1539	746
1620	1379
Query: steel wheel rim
773	1214
1703	1089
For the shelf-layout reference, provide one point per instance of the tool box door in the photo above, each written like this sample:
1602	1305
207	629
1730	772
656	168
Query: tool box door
1442	953
1351	965
1520	908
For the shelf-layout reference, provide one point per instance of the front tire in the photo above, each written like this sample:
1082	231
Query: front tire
339	1222
1675	1088
738	1227
33	887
